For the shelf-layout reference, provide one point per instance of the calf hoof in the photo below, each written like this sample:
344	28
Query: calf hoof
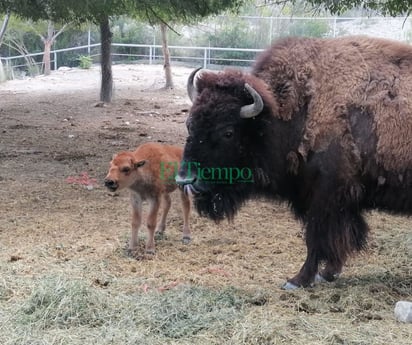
131	252
150	252
186	240
159	235
134	253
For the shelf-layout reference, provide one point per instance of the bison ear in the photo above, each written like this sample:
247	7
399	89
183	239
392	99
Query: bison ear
139	164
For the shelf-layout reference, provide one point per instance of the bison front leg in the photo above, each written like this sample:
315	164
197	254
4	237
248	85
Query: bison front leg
136	202
307	273
166	203
151	225
330	273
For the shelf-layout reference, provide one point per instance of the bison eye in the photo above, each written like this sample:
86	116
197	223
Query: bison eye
189	139
125	170
228	134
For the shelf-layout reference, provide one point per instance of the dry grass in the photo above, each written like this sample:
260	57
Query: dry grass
65	277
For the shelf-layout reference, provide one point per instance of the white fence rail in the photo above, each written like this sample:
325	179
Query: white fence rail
147	53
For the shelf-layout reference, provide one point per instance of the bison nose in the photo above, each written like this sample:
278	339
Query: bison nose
110	184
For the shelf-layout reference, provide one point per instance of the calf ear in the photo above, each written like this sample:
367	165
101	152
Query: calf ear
139	164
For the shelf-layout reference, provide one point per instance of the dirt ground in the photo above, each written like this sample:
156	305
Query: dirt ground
54	131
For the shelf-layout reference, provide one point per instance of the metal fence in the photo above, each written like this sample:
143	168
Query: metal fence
208	57
255	33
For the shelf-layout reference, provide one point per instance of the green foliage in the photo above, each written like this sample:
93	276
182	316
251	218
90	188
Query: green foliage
85	61
129	30
154	11
388	7
310	28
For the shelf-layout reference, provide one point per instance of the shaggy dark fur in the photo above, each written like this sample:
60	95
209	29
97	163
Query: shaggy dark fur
334	139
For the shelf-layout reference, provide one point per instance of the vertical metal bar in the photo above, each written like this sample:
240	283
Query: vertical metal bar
205	58
88	42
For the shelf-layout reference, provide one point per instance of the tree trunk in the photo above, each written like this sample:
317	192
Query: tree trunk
46	56
106	61
4	26
166	55
48	42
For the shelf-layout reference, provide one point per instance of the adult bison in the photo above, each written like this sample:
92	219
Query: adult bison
325	124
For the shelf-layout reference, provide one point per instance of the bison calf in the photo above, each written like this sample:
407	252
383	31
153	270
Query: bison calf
149	174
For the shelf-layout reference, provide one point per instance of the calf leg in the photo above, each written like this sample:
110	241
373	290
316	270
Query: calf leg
186	211
136	203
151	225
166	203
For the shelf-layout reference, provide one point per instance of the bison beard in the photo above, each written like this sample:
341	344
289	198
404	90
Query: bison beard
325	124
217	206
221	204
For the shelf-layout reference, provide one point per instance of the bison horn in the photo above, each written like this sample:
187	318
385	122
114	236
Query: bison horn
251	110
191	88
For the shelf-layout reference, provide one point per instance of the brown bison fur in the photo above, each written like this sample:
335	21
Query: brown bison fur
149	174
333	138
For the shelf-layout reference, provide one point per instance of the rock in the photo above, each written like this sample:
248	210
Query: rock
403	311
64	68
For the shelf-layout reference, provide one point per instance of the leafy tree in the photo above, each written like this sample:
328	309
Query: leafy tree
100	12
21	38
186	12
387	7
48	34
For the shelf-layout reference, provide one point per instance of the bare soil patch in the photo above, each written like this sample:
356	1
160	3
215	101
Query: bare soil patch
53	130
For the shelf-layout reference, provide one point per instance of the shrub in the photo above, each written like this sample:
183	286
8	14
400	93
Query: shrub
85	61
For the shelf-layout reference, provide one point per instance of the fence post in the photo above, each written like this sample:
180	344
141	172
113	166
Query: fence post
150	55
55	61
88	42
205	58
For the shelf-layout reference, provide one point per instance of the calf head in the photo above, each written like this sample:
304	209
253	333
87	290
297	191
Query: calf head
123	171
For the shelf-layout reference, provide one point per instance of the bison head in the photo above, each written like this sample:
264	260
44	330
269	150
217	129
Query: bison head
222	166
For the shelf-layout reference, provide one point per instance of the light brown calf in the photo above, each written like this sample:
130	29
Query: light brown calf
149	173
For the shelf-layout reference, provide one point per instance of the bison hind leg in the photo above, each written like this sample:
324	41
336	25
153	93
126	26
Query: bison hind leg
331	237
349	238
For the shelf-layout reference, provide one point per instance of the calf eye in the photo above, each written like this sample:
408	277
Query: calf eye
125	170
228	134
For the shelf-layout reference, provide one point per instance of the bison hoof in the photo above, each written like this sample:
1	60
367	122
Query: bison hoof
186	240
150	252
319	279
289	286
322	278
